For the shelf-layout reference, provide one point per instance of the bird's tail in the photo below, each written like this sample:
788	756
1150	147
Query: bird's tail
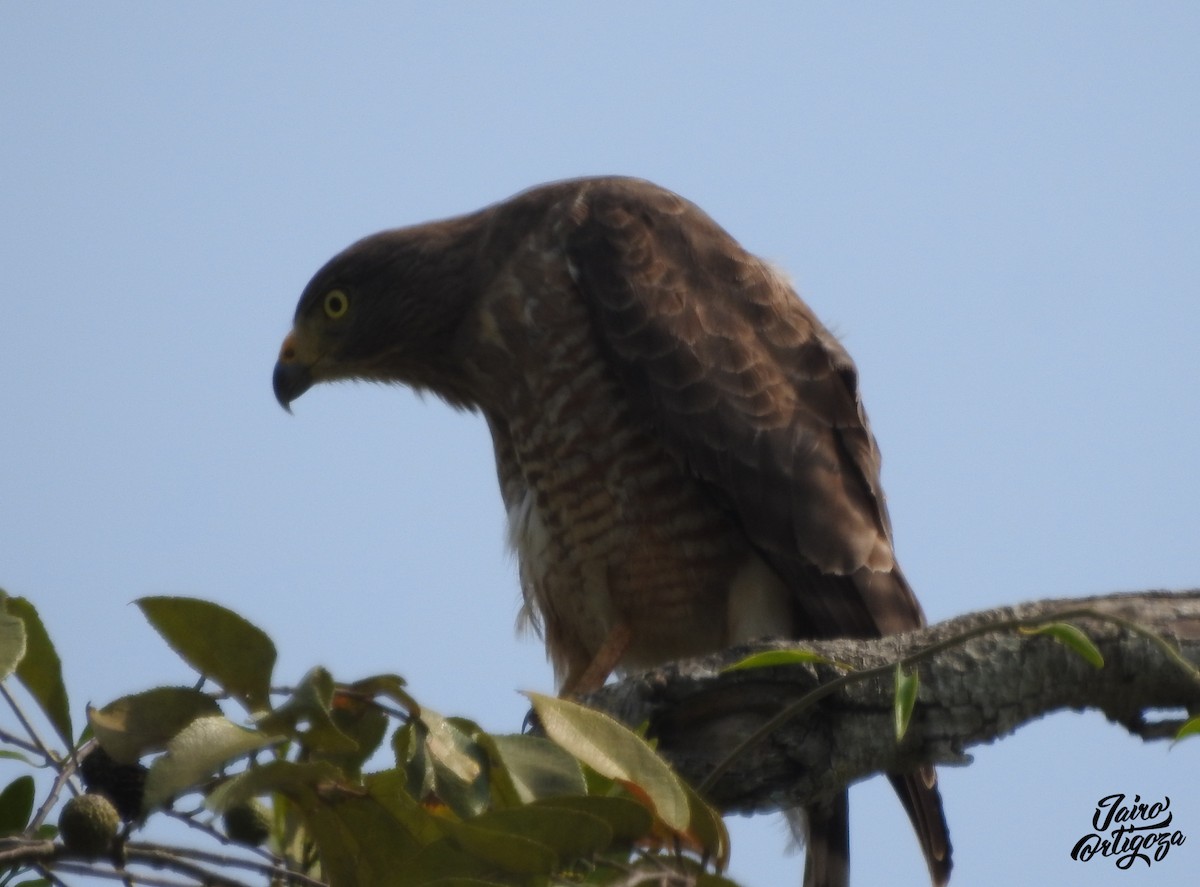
825	830
827	843
923	802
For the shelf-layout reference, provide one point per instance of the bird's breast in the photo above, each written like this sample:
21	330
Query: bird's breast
609	528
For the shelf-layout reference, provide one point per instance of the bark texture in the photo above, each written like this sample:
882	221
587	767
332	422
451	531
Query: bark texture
971	692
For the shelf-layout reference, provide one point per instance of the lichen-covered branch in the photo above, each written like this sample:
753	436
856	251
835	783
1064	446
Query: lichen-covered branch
971	692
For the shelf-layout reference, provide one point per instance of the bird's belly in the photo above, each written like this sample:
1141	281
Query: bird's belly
602	546
610	529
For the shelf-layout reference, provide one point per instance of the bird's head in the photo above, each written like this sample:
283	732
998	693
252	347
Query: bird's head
384	310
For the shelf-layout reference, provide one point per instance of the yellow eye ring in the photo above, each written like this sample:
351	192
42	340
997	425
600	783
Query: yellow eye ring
336	304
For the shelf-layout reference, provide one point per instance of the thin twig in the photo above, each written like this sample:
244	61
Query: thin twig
75	867
18	850
175	859
1158	640
62	779
189	819
23	744
274	870
50	876
194	863
38	745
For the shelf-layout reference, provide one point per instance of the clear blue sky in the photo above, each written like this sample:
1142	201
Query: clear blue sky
996	206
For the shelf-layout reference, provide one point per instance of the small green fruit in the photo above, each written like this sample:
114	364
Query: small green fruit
248	823
88	824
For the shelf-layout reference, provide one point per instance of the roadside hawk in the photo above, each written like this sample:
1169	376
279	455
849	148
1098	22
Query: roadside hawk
681	447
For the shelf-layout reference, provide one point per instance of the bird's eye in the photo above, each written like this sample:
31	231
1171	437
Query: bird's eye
336	304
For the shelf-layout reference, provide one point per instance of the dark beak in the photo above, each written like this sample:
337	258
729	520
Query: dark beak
291	377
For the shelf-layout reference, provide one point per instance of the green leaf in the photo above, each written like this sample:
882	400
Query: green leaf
707	879
47	831
613	750
707	829
310	703
443	761
460	765
443	863
296	781
906	699
571	833
450	747
7	755
387	788
12	639
390	686
627	820
408	742
773	658
40	670
525	768
1071	638
367	834
364	723
510	851
135	725
360	842
218	643
1191	727
16	805
194	755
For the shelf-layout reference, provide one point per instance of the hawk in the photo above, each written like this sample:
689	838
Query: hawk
680	443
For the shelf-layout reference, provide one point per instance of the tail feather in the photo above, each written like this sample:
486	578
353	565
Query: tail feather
827	843
919	794
824	830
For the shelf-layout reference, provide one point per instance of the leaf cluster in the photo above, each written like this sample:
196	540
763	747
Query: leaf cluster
364	785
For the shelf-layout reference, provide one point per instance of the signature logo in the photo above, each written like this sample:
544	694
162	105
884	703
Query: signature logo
1129	832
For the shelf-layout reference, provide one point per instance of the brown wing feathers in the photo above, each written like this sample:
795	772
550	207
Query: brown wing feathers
757	399
760	411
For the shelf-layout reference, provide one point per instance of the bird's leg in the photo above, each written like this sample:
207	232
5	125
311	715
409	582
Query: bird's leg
602	664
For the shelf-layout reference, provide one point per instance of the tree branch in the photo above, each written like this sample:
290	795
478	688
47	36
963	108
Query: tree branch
189	861
971	692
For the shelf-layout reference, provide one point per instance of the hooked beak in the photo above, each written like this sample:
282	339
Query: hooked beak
292	376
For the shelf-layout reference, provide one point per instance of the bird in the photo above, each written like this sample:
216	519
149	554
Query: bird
681	446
